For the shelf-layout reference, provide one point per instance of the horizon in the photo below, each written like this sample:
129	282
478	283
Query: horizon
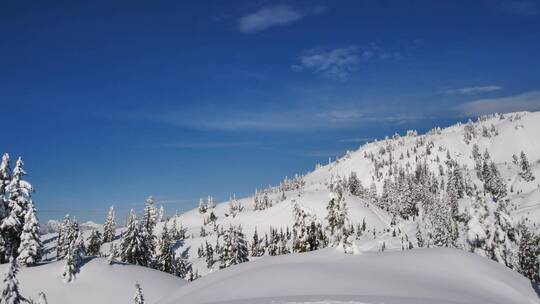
115	102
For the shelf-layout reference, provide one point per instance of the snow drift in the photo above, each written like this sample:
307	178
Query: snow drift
97	282
327	276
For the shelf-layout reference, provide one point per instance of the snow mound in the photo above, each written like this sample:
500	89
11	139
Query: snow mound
97	282
327	276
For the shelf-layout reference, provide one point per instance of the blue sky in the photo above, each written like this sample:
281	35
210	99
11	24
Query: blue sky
111	101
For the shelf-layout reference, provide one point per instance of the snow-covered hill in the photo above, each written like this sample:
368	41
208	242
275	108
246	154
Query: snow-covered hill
417	276
502	135
97	282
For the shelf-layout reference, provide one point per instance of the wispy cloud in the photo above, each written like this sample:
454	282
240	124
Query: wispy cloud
474	90
295	119
339	63
272	16
356	140
207	145
529	101
525	8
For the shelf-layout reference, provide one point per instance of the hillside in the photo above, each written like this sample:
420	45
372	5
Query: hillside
501	135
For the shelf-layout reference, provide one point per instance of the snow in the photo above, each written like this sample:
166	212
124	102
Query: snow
415	276
97	282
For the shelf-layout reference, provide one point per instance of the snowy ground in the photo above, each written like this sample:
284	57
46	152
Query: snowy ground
416	276
97	283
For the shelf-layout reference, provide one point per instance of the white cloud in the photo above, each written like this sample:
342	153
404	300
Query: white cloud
339	63
295	119
271	16
474	90
207	145
529	101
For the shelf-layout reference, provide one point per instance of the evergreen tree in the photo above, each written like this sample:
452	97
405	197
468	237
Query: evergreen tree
256	248
94	243
10	289
113	254
68	233
165	255
235	249
355	186
182	267
529	253
30	250
134	248
209	255
5	178
42	298
110	226
138	298
148	222
525	167
73	258
300	230
18	203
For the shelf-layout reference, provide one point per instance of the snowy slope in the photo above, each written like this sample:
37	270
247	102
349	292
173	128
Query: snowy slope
516	132
97	283
327	276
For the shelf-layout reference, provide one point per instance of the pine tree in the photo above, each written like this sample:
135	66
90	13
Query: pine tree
18	202
73	258
182	267
148	223
5	178
138	298
165	254
161	214
10	289
300	230
110	226
525	167
529	253
68	233
42	298
256	249
30	250
134	248
113	254
209	255
235	249
94	243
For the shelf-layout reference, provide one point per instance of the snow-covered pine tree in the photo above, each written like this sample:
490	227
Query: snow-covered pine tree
209	255
529	253
134	248
300	230
93	245
148	223
525	167
10	289
110	226
235	249
165	254
256	248
5	178
113	254
42	298
69	230
138	298
73	258
30	249
18	202
182	267
161	214
202	207
355	186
